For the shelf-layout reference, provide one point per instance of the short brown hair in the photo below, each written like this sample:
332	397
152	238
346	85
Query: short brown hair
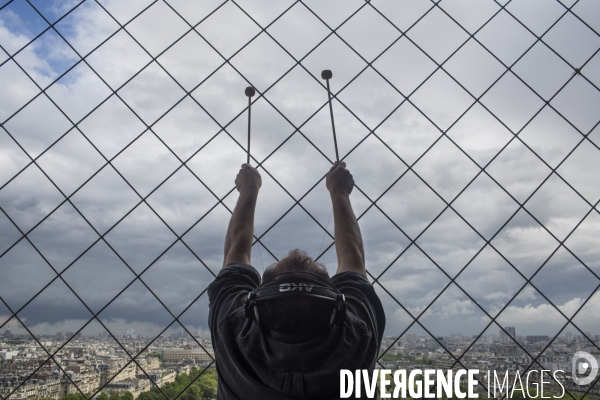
289	315
296	260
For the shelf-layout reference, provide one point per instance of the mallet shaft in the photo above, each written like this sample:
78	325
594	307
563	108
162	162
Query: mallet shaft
250	92
249	119
337	156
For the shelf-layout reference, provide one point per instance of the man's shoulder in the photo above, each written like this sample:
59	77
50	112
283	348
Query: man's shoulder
355	286
243	276
229	290
362	300
352	276
239	268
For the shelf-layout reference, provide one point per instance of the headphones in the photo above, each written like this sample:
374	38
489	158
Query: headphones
313	286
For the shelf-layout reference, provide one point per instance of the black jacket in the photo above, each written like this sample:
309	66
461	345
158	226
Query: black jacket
256	363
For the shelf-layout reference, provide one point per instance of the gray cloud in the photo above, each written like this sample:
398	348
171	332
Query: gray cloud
176	270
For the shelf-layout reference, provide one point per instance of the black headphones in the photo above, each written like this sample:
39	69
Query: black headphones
313	286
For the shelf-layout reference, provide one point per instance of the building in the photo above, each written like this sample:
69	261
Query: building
8	355
64	335
202	334
179	354
116	371
569	337
537	338
507	335
47	387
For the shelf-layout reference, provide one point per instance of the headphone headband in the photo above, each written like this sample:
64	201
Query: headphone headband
314	286
312	275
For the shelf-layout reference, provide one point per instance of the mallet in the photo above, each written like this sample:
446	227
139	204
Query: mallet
327	75
250	92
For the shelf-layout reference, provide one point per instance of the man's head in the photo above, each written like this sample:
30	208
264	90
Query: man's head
299	317
295	260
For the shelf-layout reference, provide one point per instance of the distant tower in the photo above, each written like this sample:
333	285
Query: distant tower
511	331
569	337
506	334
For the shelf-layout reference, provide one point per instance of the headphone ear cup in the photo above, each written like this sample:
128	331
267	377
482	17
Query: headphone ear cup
251	310
248	309
249	305
340	311
333	319
256	315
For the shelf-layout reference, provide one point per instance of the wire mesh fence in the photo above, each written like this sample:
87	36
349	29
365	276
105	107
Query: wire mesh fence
471	129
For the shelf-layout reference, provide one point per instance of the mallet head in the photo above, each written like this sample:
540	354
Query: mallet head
250	92
326	74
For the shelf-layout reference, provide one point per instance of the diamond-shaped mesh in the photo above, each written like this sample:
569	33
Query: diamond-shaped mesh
471	128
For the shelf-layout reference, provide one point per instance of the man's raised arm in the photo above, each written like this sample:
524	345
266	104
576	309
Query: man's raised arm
238	242
348	239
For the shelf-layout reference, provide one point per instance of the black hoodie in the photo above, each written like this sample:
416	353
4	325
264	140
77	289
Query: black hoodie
254	362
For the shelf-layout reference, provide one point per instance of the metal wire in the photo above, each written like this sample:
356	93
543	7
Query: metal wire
223	130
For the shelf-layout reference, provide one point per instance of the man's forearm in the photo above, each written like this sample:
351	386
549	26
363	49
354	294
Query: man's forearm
348	239
240	233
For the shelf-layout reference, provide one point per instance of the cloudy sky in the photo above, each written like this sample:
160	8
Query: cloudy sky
473	141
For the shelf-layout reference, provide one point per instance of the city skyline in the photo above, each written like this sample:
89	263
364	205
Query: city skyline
101	363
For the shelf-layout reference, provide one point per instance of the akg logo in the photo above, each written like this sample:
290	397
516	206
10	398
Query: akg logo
584	368
290	287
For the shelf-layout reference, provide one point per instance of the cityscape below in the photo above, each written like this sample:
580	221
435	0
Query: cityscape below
131	365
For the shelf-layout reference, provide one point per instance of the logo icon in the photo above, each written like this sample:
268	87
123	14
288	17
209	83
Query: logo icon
584	368
290	287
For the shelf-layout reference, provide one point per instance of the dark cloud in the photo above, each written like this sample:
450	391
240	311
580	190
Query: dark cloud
115	224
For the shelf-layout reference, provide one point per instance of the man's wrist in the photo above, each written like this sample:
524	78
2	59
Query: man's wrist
250	192
337	196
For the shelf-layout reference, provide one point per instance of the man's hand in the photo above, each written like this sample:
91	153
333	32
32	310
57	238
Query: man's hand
248	180
339	180
348	240
238	242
